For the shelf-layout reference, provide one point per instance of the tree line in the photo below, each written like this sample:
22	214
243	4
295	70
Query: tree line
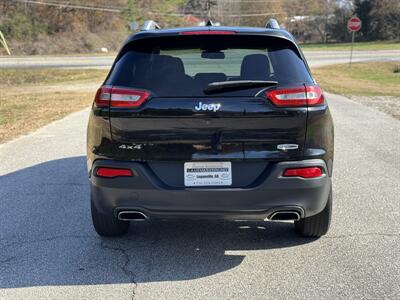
100	21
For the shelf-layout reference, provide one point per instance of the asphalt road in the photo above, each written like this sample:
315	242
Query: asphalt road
49	250
314	58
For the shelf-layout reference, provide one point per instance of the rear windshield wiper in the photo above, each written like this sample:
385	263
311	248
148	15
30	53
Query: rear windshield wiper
220	86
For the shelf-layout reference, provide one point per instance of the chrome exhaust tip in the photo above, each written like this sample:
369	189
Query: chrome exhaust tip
284	216
132	215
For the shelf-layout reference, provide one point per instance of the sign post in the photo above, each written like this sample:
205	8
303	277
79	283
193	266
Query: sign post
353	25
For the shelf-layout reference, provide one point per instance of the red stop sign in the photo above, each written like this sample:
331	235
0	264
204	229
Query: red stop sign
354	24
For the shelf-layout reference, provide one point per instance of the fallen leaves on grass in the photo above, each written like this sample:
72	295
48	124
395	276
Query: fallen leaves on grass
32	98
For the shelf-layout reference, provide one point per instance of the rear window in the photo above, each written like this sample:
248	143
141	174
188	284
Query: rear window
183	66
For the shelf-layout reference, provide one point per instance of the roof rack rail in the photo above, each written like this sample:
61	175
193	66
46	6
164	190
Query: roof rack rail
272	24
150	25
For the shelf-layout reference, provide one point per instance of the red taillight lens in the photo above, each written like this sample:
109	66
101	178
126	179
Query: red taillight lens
298	96
120	97
308	172
113	172
315	96
103	96
201	32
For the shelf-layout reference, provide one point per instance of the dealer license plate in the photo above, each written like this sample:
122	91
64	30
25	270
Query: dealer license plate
208	173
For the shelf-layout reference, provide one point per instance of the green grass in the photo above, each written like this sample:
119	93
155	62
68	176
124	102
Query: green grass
368	79
357	46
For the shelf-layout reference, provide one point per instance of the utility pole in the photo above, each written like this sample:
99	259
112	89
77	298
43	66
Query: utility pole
208	7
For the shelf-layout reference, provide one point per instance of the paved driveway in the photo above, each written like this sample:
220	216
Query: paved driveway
49	250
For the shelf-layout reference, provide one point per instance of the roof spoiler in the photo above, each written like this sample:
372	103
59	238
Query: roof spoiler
150	25
272	24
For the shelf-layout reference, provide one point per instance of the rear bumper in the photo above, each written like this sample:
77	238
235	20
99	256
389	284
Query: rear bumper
269	193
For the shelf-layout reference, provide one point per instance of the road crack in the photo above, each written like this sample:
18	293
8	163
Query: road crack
124	267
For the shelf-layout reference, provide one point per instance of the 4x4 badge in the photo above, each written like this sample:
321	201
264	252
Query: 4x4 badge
204	107
130	147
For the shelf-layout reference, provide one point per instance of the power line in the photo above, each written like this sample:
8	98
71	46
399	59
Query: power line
254	15
251	13
250	1
106	9
116	10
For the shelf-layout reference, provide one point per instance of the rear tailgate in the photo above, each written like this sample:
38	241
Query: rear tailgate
242	128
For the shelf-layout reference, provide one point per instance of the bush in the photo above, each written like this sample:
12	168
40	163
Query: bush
21	27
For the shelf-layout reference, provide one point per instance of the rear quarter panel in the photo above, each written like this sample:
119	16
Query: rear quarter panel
319	142
99	142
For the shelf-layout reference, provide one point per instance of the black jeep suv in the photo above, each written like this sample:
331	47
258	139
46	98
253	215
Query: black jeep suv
210	122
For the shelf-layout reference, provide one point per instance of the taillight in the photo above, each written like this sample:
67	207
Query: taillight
113	172
102	98
202	32
298	96
308	172
120	97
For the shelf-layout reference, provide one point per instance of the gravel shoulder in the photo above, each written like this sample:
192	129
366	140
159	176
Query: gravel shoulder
386	104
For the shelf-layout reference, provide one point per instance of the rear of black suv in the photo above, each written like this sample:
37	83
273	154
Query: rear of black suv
210	123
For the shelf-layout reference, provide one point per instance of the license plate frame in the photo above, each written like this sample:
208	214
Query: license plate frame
205	174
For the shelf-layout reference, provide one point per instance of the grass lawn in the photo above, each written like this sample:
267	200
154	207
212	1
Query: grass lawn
31	76
357	46
368	79
372	84
31	98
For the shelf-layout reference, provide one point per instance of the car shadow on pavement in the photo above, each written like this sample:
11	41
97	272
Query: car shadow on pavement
47	239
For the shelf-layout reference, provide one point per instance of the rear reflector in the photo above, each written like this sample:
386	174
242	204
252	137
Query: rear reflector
298	96
309	172
202	32
120	97
113	172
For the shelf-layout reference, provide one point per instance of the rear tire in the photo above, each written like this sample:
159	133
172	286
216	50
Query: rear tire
107	225
317	225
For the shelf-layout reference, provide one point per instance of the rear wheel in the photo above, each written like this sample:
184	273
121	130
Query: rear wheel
107	225
317	225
